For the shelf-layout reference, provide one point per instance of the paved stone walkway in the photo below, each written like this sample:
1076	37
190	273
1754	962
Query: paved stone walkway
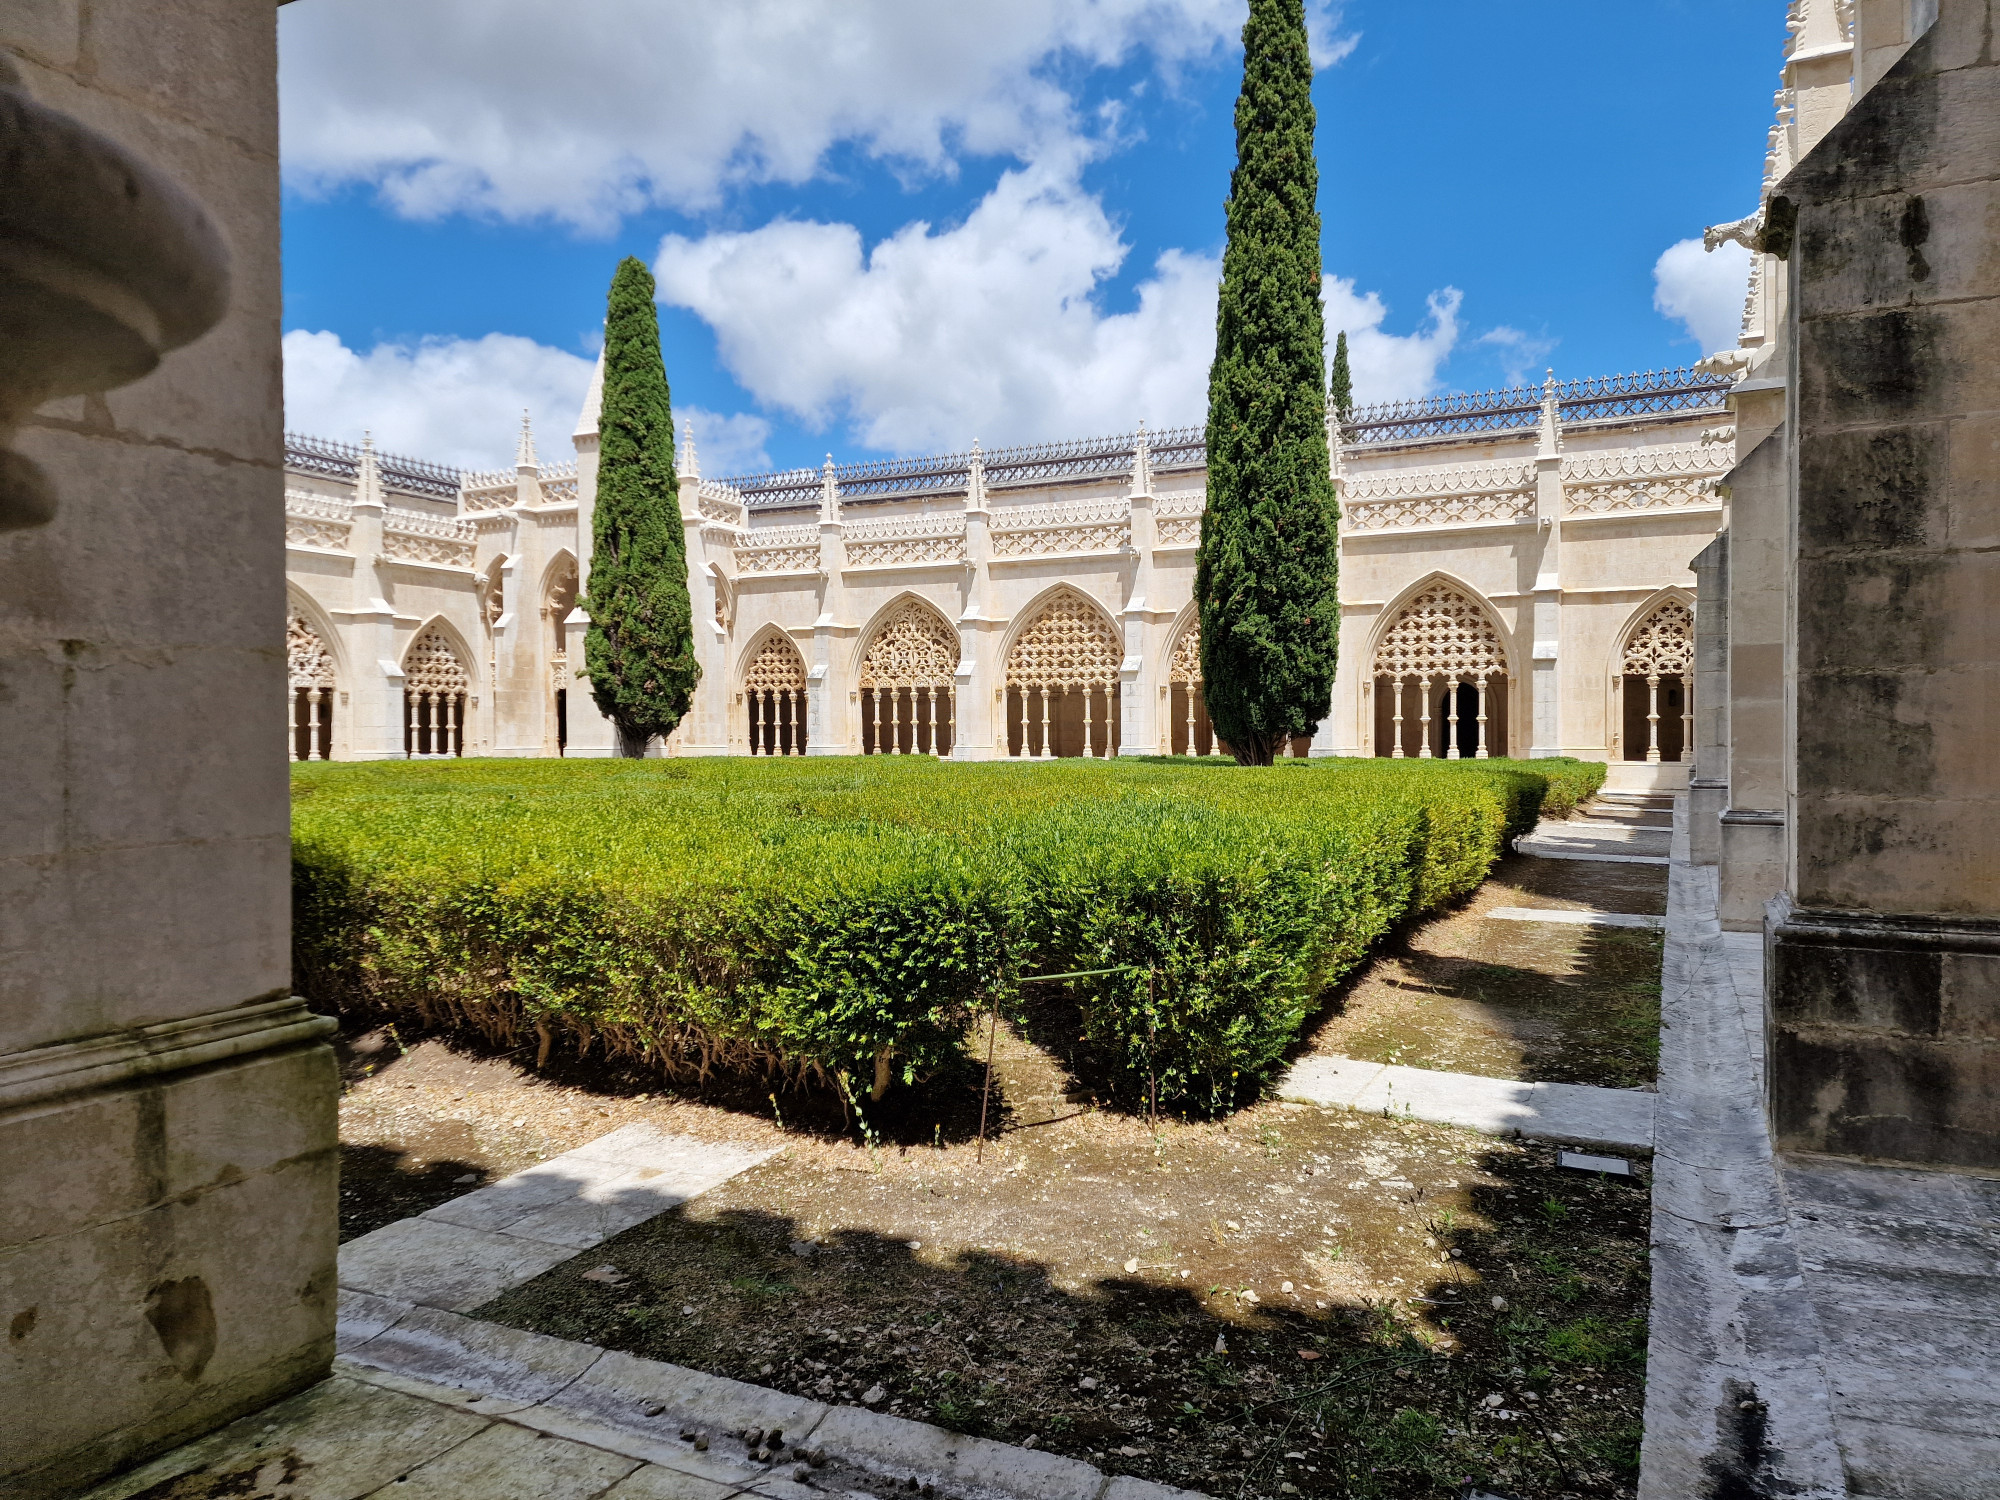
1820	1328
1571	1112
426	1402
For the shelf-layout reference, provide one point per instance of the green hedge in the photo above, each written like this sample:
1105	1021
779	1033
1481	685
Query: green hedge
843	918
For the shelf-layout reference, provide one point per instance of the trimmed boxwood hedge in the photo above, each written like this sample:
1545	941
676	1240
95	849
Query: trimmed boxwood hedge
841	920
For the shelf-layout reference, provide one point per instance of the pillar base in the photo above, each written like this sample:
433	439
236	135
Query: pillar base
170	1236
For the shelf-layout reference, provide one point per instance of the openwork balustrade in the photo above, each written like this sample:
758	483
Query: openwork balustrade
907	692
1444	651
774	696
317	521
1177	518
309	691
435	688
1066	526
1062	682
342	461
1641	479
442	541
779	549
1659	659
905	541
1609	398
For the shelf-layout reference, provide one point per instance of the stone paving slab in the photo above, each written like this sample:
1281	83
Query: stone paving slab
443	1265
1569	1112
1540	850
505	1460
1576	918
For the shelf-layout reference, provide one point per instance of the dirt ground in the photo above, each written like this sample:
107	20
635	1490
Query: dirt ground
1294	1301
1532	1000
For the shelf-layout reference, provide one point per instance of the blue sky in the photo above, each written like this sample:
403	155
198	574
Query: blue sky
884	226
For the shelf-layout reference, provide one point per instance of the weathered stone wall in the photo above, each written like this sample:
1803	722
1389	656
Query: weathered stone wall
1886	974
167	1159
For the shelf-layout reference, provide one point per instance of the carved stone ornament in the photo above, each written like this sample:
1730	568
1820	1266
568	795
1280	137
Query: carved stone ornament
914	649
1663	643
105	265
1443	634
1069	644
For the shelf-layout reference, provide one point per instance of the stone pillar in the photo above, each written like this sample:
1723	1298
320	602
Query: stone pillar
1752	826
827	722
1545	608
1141	671
1708	777
1884	959
167	1110
701	732
591	735
982	722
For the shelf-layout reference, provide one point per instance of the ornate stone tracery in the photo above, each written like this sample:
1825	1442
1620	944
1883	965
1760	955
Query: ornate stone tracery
435	686
907	679
308	690
1069	647
1441	633
1069	644
1663	642
1187	712
774	692
1661	645
1440	639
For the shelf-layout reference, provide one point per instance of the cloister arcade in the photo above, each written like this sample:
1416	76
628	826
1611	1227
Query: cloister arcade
1062	681
310	690
436	685
908	684
1188	731
1656	683
1441	679
774	697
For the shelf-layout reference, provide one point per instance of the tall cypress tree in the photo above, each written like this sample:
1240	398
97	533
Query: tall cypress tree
1340	384
639	650
1266	575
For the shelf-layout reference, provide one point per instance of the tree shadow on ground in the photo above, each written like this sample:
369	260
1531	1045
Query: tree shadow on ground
381	1184
1161	1376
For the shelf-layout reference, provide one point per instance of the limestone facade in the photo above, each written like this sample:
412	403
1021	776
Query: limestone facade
1514	578
167	1148
1845	782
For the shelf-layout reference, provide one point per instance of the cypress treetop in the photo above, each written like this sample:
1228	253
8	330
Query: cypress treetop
1340	383
1265	578
639	650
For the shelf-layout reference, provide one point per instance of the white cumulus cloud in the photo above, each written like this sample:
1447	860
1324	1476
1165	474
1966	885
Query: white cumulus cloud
1703	291
450	400
991	328
732	443
519	108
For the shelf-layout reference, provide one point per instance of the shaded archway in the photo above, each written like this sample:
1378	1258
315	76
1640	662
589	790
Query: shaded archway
774	698
559	589
1062	680
436	686
1440	677
908	678
1188	731
1657	681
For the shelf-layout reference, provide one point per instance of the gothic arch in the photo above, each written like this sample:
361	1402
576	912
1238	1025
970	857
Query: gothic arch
1059	677
1184	726
555	597
1652	680
313	674
1440	667
773	693
906	676
438	686
560	562
492	590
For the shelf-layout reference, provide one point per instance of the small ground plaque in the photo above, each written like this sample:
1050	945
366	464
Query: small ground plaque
1578	1161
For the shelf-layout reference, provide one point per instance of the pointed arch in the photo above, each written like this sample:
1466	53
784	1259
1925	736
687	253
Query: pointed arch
1653	679
907	675
1440	665
313	675
1185	729
438	668
562	568
774	693
491	586
1060	676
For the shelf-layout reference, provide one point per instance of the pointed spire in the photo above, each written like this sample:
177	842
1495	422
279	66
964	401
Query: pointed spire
1142	463
689	466
524	451
829	494
975	478
1550	442
368	474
